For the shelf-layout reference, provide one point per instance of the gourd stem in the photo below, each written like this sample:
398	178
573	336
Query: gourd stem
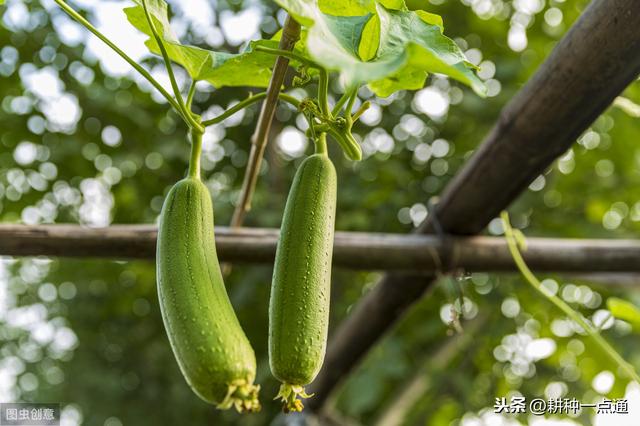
189	119
192	91
323	90
321	144
196	151
245	103
338	106
349	108
365	106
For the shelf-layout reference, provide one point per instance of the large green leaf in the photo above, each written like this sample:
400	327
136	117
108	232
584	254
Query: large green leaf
386	45
367	41
248	68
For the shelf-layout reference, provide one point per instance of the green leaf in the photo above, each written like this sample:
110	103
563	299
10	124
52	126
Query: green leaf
370	39
248	68
357	7
347	31
386	45
345	7
431	18
624	310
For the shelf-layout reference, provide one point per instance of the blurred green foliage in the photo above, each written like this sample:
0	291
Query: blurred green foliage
88	333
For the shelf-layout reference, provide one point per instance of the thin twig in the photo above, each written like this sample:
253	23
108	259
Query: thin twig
290	35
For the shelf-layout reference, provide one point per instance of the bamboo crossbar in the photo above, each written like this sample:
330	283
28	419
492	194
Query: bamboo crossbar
354	250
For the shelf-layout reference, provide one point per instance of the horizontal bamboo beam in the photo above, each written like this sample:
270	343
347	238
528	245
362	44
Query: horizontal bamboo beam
354	250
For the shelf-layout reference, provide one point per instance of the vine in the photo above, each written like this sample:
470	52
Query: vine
516	242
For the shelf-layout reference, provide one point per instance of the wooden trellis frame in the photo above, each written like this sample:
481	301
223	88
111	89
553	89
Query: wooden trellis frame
589	67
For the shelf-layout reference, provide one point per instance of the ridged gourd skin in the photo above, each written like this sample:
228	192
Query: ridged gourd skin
299	303
211	348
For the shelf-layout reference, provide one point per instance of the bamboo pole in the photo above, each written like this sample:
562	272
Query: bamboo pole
290	36
353	250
